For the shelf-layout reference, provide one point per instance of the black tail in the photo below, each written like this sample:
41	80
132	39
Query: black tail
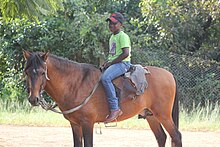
175	112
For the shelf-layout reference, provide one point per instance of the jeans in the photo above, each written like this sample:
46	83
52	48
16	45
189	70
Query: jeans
110	74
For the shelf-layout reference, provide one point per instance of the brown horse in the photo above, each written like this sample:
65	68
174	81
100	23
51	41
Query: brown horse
70	83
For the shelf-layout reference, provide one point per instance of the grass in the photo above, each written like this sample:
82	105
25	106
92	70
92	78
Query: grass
15	113
201	118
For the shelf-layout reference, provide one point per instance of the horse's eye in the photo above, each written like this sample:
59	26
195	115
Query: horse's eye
43	73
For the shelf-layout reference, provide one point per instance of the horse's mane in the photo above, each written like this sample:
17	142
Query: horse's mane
63	64
88	72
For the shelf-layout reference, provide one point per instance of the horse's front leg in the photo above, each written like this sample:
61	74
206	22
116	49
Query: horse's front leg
77	135
87	129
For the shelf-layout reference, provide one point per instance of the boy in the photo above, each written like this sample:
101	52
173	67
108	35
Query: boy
117	64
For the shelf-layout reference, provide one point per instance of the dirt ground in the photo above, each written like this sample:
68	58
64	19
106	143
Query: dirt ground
24	136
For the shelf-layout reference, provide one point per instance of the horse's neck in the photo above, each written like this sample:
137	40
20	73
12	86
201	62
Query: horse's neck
70	83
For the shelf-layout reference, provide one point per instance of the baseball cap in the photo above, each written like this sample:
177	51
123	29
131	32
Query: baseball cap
116	17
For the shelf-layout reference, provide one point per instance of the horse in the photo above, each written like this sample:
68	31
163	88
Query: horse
69	83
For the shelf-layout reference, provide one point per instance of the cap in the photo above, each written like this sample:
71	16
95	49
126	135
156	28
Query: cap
116	17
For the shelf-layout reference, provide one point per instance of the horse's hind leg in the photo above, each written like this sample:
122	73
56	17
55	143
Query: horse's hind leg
157	130
77	135
170	127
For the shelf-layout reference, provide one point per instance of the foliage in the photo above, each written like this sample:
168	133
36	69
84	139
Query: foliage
184	27
198	80
176	35
12	88
29	9
62	36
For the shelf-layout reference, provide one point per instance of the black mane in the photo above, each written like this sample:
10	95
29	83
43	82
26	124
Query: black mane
34	61
60	63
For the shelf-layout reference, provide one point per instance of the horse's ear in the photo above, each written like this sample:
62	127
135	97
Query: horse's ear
26	54
44	56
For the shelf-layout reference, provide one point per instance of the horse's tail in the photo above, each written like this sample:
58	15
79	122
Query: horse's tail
175	112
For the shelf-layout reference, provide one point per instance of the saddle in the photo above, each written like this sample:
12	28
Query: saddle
132	83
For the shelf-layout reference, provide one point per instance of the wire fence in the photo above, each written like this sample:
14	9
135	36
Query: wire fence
198	79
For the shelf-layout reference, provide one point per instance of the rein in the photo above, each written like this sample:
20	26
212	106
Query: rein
47	106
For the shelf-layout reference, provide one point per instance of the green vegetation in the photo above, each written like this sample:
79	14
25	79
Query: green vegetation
34	9
199	119
182	37
18	113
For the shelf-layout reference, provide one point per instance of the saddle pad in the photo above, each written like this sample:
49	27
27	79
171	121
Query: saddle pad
137	76
132	84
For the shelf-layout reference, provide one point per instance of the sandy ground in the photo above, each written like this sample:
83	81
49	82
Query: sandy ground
24	136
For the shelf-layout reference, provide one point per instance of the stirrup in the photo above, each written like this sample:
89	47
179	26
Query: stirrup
114	124
100	129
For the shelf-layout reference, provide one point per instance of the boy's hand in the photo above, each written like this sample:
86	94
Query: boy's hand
105	65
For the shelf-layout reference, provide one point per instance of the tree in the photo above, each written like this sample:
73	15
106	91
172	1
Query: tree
28	9
184	27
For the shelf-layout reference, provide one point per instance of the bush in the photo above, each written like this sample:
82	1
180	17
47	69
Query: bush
159	37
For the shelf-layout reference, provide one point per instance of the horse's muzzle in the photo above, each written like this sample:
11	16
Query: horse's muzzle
34	101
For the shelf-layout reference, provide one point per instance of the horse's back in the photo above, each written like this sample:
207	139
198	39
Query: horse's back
160	77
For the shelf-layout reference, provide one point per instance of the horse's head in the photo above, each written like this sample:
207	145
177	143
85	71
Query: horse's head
36	75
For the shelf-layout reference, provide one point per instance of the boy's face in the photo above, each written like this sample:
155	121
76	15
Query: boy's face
114	27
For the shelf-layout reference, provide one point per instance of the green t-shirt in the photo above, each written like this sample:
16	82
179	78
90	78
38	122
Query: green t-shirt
116	43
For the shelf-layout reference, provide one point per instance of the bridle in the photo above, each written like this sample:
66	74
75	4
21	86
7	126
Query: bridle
48	106
43	84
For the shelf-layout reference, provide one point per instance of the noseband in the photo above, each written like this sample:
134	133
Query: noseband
43	103
44	83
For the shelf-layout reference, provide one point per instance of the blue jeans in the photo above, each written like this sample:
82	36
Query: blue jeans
110	74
